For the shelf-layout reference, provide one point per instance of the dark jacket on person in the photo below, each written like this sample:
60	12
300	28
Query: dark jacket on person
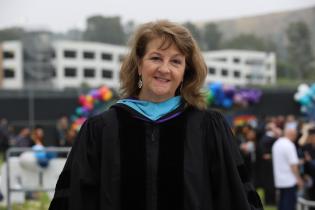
187	160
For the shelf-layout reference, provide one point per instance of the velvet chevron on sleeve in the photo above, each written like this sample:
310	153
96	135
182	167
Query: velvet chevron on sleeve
78	185
231	185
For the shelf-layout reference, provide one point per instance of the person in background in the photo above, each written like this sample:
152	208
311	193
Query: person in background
286	169
158	148
61	130
309	166
70	137
272	133
23	139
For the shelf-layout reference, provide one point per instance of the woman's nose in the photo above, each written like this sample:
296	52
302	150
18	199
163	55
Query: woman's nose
164	67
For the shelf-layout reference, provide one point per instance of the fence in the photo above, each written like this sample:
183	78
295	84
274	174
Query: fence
23	173
304	204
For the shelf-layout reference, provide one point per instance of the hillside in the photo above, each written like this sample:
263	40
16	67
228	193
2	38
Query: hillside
270	26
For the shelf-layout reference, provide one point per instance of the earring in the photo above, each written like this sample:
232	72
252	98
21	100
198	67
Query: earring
140	83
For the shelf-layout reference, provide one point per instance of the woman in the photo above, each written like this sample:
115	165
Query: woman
157	148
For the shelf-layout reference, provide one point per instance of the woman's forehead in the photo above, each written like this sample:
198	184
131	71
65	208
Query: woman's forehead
159	44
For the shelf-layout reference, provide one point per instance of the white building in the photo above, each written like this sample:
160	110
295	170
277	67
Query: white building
11	75
90	63
94	64
241	67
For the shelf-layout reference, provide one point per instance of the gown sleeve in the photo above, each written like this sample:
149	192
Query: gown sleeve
231	186
78	184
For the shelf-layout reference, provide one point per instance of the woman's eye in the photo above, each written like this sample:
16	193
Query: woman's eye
155	58
177	61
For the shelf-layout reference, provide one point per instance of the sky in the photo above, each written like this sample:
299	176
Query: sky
62	15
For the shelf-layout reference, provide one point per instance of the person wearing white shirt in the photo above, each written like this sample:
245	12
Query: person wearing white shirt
285	168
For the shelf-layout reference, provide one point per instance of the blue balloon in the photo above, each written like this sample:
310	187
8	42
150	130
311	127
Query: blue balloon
305	100
227	103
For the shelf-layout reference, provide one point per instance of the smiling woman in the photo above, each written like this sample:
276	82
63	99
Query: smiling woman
161	71
157	148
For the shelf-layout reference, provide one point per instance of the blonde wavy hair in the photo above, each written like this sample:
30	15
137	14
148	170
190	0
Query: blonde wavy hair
170	33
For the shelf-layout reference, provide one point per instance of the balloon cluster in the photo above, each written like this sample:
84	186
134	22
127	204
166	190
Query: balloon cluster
305	96
226	95
88	103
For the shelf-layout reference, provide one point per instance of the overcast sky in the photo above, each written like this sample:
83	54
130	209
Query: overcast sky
61	15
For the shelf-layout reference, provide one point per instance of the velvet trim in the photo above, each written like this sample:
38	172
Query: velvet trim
133	162
170	175
171	164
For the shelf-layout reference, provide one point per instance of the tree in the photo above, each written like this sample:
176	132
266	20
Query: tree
195	33
104	29
248	42
299	48
11	34
212	36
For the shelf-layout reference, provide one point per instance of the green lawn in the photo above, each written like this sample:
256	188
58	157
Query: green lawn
261	195
41	204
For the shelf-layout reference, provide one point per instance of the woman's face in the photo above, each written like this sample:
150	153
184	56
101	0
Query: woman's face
162	71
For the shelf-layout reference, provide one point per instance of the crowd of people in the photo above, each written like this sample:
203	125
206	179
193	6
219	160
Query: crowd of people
10	136
280	156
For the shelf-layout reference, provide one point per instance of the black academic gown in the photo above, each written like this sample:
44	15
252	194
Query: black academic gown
187	161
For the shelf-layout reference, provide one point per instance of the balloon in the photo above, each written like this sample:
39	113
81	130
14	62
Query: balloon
229	91
305	100
81	99
89	99
303	88
227	103
95	94
79	111
210	97
103	90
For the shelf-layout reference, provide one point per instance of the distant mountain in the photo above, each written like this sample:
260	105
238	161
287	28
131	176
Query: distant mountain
270	26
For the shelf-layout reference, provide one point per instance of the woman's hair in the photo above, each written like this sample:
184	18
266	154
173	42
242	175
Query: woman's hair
170	33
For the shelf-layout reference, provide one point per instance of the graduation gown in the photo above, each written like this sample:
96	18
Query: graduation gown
188	160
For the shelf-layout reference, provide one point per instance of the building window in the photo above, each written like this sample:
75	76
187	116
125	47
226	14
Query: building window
211	70
236	60
237	74
70	72
69	54
8	54
89	73
88	55
254	62
53	54
248	76
53	72
8	73
106	73
220	59
107	56
224	72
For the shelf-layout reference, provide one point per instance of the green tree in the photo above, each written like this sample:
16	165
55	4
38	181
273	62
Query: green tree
249	42
196	33
299	48
11	34
212	36
104	29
